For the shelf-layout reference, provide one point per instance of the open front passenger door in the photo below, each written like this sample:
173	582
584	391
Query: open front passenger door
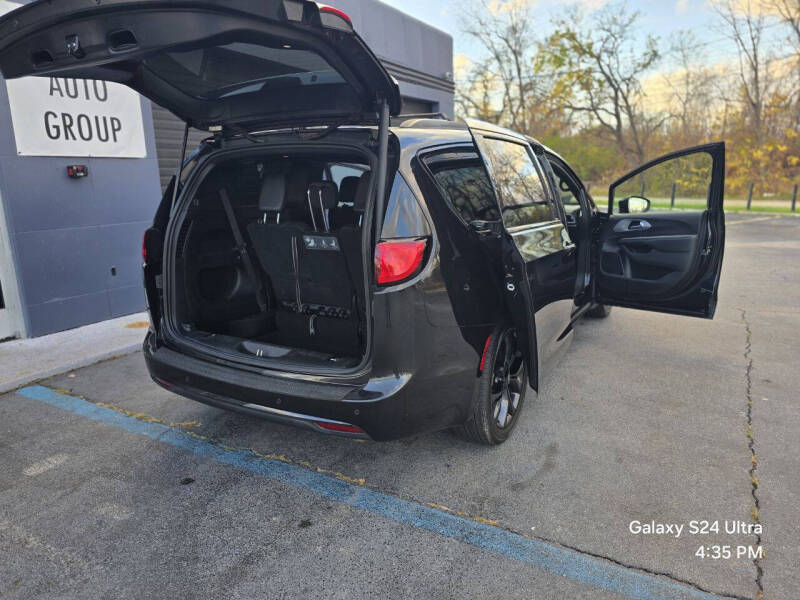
666	261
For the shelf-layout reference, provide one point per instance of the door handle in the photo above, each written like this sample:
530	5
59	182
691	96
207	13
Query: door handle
632	225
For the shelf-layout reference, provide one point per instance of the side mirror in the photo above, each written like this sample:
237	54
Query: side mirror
634	204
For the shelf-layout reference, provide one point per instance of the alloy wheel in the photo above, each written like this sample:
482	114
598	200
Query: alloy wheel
507	379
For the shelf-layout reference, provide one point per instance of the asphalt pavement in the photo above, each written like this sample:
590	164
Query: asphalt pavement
112	487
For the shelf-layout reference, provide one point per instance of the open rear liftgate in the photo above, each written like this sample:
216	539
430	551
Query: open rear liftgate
243	249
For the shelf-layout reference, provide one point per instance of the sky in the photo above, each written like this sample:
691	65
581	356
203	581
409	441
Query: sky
660	18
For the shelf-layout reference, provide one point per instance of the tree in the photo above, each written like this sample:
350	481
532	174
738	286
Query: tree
600	63
506	85
744	23
691	91
475	92
789	11
504	31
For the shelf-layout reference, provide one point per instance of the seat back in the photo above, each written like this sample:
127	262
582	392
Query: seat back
350	236
275	242
324	277
344	213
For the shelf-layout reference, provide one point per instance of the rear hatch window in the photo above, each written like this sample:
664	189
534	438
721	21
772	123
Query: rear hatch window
239	68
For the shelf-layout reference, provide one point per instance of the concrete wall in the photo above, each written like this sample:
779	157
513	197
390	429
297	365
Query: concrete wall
67	234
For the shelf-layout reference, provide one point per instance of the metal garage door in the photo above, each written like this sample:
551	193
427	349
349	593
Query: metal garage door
412	106
169	137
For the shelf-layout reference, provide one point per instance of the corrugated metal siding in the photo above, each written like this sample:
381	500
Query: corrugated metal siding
169	135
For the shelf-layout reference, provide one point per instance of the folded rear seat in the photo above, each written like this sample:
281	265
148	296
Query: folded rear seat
276	242
350	238
307	268
329	320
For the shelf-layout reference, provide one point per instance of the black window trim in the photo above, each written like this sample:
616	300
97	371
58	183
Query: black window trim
570	172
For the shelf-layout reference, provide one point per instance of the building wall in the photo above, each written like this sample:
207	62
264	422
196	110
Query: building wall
67	235
418	55
76	243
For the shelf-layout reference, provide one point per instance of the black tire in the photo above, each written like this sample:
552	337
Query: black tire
598	311
496	387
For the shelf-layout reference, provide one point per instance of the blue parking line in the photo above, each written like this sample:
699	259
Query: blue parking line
550	557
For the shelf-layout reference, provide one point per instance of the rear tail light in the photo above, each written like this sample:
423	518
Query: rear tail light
334	18
152	241
338	427
396	260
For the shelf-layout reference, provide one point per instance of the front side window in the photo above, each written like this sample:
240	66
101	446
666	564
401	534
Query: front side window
461	178
523	196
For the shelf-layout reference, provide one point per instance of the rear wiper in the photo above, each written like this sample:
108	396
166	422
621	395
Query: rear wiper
237	130
232	89
318	136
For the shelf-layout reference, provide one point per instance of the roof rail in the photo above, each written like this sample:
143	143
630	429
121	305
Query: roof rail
406	117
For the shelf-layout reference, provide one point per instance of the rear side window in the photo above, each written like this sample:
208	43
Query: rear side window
403	217
462	180
519	182
340	171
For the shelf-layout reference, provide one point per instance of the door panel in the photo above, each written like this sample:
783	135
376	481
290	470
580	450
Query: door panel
542	253
650	254
665	261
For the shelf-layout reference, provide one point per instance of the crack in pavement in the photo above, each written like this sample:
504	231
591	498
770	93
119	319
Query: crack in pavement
751	444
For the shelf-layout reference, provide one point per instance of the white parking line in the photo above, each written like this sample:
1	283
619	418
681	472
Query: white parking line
770	218
51	462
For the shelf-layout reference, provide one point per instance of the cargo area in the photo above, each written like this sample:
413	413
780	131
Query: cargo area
268	261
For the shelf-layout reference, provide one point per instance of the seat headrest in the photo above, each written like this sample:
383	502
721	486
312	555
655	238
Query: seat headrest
273	192
347	189
324	191
362	192
298	180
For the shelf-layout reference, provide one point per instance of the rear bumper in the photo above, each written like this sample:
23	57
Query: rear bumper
377	407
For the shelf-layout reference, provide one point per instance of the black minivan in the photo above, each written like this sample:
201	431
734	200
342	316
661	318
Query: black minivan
321	261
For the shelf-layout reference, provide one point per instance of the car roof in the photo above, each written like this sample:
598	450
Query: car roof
492	128
547	148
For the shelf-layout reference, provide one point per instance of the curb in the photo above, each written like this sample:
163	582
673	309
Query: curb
7	386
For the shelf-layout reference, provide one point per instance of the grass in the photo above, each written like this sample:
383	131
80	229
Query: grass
735	209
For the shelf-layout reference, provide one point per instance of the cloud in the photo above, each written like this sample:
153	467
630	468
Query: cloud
503	7
592	5
766	8
681	6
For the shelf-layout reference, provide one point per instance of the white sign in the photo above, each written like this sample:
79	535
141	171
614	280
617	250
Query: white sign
57	116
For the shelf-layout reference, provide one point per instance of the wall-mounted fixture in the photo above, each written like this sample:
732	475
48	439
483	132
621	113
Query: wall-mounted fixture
77	171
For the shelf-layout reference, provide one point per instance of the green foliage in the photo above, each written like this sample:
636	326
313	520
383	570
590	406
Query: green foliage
592	159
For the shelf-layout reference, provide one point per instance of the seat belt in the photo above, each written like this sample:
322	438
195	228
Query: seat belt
241	246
